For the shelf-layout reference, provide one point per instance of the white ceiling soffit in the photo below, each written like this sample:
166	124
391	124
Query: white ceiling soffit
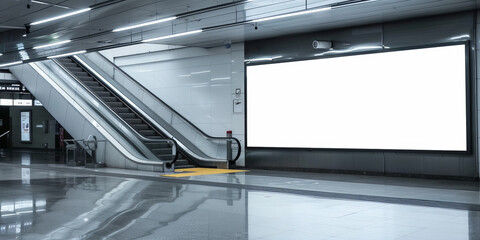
93	29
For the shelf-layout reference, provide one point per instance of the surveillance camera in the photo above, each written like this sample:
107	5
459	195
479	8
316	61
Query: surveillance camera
228	44
29	3
321	44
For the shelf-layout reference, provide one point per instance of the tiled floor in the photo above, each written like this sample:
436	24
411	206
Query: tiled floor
44	200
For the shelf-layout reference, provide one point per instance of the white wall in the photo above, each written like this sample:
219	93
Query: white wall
199	83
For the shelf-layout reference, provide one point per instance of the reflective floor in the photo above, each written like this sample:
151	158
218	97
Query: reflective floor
57	203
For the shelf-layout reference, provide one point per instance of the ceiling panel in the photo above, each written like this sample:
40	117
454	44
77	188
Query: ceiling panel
93	29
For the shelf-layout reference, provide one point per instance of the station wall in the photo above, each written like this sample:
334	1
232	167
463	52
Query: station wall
459	27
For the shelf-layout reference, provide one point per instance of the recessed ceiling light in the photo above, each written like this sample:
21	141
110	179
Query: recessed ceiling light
61	16
173	36
144	24
52	44
10	64
292	14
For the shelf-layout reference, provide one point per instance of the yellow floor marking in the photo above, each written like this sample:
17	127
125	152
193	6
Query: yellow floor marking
187	172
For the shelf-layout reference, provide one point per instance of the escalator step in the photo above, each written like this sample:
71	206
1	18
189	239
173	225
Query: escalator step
98	89
65	60
74	69
70	64
158	145
157	137
79	73
147	132
86	78
121	109
165	157
182	162
109	99
162	151
103	94
91	83
114	104
127	115
183	166
133	120
140	126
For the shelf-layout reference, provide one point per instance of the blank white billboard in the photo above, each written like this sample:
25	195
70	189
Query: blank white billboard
399	100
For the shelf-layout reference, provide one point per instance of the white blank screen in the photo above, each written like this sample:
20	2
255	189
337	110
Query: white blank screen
405	100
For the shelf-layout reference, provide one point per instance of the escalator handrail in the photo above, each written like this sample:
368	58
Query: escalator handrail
173	110
144	139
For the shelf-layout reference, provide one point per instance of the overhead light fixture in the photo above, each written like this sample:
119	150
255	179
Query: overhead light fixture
61	16
144	24
315	10
1	54
67	54
173	36
10	64
351	3
262	59
292	14
52	44
461	37
350	50
50	4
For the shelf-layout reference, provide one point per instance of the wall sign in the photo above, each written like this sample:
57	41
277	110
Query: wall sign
25	125
237	106
14	87
37	103
22	102
6	102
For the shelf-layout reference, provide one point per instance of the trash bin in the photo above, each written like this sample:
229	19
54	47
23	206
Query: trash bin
71	153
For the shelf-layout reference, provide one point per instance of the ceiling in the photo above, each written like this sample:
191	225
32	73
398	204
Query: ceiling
222	20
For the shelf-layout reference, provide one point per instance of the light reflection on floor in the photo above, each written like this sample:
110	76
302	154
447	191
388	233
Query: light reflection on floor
57	204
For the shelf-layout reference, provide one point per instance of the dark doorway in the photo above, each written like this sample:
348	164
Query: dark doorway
4	127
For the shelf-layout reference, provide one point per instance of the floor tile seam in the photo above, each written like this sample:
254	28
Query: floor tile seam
340	196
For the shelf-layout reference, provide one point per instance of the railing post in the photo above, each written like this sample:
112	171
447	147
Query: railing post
229	146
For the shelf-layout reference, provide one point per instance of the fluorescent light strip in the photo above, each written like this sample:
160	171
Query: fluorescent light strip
52	44
10	64
172	36
67	54
50	4
61	16
348	4
1	54
262	59
292	14
144	24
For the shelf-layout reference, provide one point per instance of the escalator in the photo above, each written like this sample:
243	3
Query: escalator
124	111
90	96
